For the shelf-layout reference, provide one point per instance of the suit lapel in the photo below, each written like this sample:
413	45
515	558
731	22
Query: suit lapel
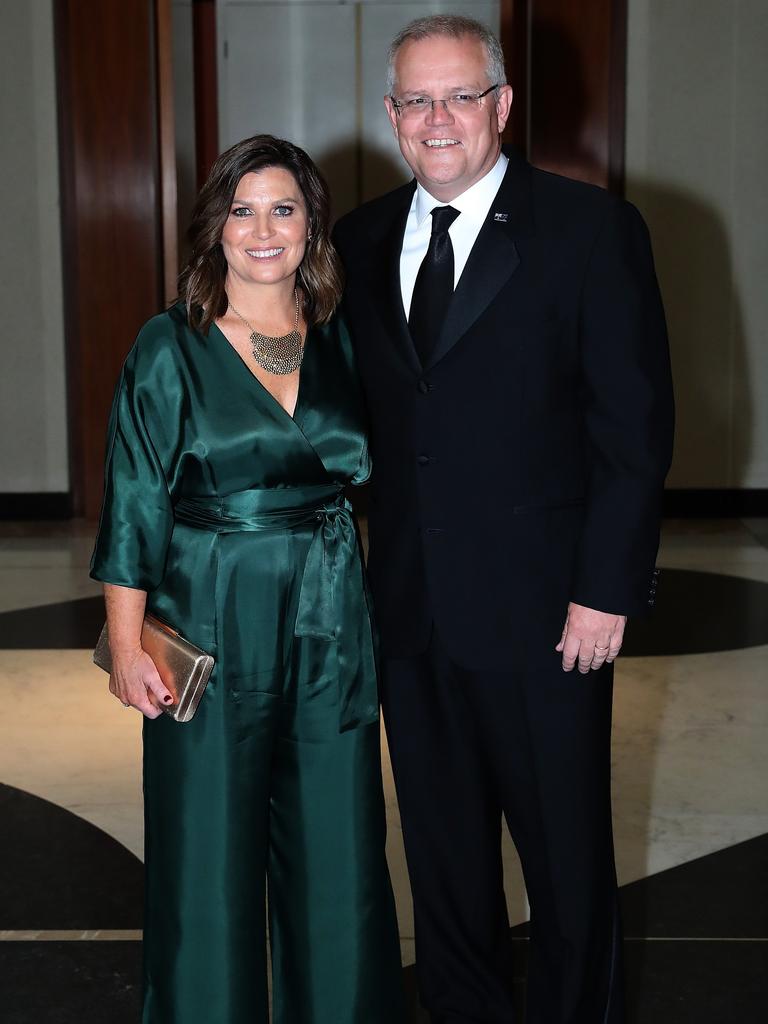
385	279
494	257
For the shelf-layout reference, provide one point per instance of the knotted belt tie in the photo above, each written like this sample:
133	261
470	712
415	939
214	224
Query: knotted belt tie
332	599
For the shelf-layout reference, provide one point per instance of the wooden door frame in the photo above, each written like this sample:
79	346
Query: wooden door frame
531	31
117	182
206	87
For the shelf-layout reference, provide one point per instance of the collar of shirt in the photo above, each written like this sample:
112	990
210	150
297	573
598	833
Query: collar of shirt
473	205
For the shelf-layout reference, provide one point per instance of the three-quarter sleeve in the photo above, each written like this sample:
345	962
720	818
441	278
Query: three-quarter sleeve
142	441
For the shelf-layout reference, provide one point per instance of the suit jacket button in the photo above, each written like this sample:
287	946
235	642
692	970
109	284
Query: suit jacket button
423	387
423	460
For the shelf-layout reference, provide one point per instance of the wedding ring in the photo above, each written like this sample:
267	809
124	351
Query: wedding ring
124	704
601	648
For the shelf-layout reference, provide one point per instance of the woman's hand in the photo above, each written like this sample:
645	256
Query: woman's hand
136	682
134	679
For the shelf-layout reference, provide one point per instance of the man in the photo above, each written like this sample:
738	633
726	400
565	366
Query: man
511	342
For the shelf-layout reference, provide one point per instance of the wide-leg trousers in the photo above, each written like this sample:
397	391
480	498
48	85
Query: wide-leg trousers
469	748
261	789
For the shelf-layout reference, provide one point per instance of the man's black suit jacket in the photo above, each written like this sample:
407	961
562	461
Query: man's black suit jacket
523	468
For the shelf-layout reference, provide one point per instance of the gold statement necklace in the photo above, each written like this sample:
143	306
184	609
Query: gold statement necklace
276	355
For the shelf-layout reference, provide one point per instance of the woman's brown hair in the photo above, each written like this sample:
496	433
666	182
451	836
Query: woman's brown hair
201	282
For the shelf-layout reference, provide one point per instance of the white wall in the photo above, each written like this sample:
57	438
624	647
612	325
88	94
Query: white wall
697	154
33	425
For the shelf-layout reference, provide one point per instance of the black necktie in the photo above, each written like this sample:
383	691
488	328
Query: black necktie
434	285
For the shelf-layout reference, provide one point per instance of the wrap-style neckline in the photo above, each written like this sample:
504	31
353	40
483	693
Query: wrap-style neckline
293	417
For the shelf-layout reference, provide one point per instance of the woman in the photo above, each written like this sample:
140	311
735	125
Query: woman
236	423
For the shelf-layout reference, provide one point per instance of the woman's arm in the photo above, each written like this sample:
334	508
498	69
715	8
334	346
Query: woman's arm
134	679
137	514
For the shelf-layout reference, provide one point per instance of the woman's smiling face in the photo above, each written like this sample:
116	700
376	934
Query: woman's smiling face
265	234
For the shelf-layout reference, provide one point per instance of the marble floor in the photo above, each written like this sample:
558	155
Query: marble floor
690	780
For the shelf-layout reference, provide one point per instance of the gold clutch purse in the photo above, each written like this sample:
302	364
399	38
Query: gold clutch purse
183	668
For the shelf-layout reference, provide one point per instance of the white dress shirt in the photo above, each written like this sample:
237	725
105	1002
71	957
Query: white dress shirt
473	206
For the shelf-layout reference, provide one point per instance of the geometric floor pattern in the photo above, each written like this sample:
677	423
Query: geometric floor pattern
690	794
696	947
721	613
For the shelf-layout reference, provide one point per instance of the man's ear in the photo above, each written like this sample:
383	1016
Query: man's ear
503	105
391	113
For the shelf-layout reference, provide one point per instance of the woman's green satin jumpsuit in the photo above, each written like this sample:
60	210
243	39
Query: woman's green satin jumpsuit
230	514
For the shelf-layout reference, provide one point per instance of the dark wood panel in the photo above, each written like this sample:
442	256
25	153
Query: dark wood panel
577	89
206	87
515	28
167	149
108	142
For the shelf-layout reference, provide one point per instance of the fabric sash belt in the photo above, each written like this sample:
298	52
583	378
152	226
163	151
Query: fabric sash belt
332	599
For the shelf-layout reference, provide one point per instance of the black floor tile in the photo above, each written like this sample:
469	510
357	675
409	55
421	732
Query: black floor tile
415	1013
722	613
723	895
758	527
70	982
59	871
705	982
672	982
698	971
668	982
701	612
70	624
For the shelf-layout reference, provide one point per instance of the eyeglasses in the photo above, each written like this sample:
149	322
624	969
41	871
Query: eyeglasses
457	102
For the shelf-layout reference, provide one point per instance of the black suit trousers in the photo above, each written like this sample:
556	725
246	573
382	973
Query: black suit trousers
470	749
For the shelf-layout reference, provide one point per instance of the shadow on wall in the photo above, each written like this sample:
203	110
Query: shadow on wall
374	171
713	436
693	257
563	141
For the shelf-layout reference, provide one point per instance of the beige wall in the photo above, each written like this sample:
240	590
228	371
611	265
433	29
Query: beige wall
697	153
33	432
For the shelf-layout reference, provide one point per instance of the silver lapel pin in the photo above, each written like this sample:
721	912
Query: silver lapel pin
501	218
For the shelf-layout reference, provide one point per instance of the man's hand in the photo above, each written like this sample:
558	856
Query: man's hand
590	638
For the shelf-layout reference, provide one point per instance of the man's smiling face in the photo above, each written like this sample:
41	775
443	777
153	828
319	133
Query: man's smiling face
447	150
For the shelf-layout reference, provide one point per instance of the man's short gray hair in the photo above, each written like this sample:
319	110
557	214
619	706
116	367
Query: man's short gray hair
454	26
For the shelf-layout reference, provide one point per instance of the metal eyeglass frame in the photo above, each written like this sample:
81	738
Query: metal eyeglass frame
401	105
